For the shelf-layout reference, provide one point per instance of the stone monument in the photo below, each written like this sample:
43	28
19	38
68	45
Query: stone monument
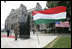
24	26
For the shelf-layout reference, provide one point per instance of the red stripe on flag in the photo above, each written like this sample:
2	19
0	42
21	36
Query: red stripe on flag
54	10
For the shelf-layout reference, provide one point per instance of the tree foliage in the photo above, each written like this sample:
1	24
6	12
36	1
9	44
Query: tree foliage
51	4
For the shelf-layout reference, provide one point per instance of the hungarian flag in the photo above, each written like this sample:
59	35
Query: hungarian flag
49	15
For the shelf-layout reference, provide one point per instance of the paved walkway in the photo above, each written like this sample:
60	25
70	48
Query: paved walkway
44	39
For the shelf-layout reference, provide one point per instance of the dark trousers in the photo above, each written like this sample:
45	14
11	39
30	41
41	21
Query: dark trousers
33	31
16	36
7	34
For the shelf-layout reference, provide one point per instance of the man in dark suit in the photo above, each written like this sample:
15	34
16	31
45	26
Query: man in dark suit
8	31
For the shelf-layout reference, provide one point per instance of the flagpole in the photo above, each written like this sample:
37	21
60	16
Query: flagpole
55	30
37	39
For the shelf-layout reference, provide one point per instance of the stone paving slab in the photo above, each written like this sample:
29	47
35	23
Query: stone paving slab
27	43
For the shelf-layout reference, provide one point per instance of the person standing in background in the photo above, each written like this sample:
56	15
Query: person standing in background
16	30
8	31
11	31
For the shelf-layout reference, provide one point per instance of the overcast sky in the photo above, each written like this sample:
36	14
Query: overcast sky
6	7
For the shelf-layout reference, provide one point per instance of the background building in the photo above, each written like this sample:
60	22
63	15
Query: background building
14	15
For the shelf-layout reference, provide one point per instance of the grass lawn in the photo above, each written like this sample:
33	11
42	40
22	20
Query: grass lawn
62	42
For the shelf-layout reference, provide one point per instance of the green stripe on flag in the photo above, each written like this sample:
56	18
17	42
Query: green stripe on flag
46	21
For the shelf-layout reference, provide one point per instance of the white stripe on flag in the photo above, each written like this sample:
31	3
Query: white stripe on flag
61	15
